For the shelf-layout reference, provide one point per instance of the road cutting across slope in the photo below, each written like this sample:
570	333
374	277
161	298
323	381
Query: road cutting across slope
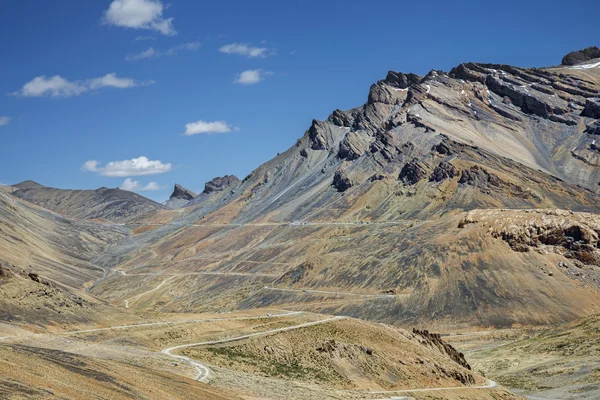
387	296
136	298
184	321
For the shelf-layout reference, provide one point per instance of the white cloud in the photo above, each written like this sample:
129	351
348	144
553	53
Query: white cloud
139	38
111	80
251	76
57	86
150	53
244	50
134	167
139	14
191	46
4	121
201	127
135	186
154	53
90	165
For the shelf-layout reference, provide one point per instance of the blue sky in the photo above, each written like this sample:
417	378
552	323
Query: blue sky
89	86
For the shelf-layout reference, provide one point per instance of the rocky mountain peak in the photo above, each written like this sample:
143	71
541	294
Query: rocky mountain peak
179	192
29	184
400	80
220	183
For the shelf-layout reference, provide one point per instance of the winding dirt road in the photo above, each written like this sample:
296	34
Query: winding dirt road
204	371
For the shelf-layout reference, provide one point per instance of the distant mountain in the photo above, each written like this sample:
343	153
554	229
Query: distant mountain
180	197
111	204
43	242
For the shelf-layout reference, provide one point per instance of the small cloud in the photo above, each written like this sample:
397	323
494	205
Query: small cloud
191	46
135	186
57	86
4	121
139	14
111	80
251	76
150	53
202	127
153	53
134	167
244	50
141	38
90	165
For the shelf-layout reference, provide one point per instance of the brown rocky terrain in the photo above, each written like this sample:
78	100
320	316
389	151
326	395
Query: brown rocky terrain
346	354
28	372
49	244
560	362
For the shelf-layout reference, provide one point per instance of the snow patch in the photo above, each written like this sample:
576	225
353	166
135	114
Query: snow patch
428	88
586	66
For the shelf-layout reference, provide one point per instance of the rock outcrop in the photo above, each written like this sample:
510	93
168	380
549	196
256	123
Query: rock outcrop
443	171
180	197
354	145
412	172
593	128
179	192
435	340
341	182
221	183
580	56
592	108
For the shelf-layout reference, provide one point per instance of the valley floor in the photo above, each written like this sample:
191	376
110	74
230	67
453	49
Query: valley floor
146	360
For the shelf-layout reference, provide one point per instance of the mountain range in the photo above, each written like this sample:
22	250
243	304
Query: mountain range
458	200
